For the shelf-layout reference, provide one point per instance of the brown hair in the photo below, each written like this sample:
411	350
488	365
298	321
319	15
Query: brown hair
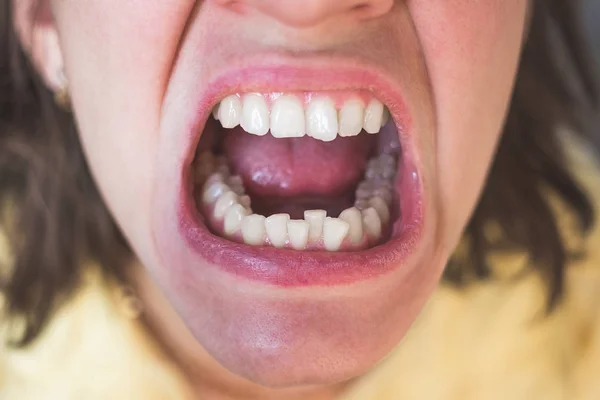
57	220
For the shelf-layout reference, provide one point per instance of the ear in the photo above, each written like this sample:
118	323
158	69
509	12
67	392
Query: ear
36	31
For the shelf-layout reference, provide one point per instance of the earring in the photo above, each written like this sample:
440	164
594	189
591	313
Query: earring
61	96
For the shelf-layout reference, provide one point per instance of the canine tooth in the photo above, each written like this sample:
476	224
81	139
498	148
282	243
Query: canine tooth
334	233
255	114
230	111
233	218
352	116
353	217
225	201
253	229
321	119
287	118
213	191
372	223
381	207
277	230
315	219
373	116
298	233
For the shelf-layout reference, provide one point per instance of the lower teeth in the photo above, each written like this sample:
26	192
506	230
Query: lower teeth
228	209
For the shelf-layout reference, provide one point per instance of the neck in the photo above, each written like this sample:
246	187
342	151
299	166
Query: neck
205	375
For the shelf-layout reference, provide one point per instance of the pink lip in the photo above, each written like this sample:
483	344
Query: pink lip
289	268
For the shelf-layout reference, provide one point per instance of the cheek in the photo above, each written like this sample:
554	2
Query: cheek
472	50
118	57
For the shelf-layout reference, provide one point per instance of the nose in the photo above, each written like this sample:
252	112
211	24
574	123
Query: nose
307	13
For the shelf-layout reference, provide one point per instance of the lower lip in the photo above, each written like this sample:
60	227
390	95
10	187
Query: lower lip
289	268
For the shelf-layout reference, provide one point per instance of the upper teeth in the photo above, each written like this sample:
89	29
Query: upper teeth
288	116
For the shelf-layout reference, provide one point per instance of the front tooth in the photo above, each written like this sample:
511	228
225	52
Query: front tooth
226	200
334	233
287	118
321	119
372	224
253	229
373	116
315	219
230	111
215	112
213	191
381	207
277	231
352	117
233	218
353	217
298	233
255	114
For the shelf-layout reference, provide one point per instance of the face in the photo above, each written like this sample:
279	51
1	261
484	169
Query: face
212	126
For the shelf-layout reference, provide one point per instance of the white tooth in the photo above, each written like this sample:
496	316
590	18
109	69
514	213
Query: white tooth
237	185
214	191
372	224
230	111
225	201
334	233
353	217
373	116
352	116
384	193
321	119
386	116
287	118
255	114
233	218
253	229
277	231
215	112
315	219
381	207
245	201
298	233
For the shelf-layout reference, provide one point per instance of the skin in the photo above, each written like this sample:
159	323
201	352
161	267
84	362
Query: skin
131	67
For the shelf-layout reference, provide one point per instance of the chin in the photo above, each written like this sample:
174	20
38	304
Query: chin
294	228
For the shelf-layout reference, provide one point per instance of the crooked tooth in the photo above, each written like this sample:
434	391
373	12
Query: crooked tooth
213	191
255	114
254	229
381	207
352	116
230	111
277	229
372	224
321	119
353	217
334	233
287	117
233	218
298	233
225	201
373	116
315	219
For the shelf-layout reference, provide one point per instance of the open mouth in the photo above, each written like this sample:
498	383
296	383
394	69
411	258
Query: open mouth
300	187
301	171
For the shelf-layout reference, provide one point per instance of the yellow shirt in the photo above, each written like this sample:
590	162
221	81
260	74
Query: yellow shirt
485	342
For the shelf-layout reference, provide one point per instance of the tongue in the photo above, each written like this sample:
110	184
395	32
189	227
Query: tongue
298	167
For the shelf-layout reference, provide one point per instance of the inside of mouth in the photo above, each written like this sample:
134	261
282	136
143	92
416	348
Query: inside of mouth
296	184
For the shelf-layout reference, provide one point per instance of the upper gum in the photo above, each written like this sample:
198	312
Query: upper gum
339	98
